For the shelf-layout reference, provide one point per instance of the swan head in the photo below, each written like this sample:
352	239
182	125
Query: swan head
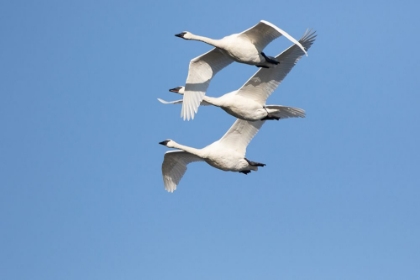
179	90
168	143
184	35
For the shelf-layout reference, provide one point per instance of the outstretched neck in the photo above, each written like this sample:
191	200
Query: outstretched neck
212	42
187	149
213	101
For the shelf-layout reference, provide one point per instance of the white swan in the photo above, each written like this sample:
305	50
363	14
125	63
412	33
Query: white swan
227	154
245	47
242	108
248	102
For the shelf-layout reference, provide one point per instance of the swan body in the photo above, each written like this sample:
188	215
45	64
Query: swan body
227	154
239	107
251	110
248	102
245	47
238	48
244	108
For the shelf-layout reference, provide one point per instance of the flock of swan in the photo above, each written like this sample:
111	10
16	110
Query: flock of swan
247	104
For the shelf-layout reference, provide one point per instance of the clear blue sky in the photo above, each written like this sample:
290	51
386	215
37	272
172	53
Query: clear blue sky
81	192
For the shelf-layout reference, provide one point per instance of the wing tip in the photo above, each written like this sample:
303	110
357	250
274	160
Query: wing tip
309	35
291	38
186	113
190	109
162	101
170	189
266	22
169	183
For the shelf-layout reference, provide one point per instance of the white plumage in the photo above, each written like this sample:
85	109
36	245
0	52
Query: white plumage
245	47
248	102
228	154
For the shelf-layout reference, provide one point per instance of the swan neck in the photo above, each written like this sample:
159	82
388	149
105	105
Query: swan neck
187	149
212	42
212	100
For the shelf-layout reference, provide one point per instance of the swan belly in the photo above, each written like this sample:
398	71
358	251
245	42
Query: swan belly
246	110
243	51
227	161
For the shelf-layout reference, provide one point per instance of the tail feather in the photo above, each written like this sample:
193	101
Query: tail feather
284	112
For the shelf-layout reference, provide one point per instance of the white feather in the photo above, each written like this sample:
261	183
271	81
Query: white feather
227	154
245	47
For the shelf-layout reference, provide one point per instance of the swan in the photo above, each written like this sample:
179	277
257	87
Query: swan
227	153
242	109
245	47
248	102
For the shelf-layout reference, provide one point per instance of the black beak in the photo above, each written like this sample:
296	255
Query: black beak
164	142
180	35
176	90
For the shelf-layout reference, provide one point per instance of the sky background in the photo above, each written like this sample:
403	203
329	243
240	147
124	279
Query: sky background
81	190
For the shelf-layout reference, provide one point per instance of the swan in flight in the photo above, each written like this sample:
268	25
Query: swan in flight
245	47
228	154
244	110
248	102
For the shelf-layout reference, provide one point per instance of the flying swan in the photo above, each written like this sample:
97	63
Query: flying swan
248	102
227	154
245	47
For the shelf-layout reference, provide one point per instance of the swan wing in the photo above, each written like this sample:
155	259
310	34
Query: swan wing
174	166
201	71
260	86
264	32
240	134
170	102
203	103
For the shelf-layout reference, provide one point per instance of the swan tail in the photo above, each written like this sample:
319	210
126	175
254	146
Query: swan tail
284	112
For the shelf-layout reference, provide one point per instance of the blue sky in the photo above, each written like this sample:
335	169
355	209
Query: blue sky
81	192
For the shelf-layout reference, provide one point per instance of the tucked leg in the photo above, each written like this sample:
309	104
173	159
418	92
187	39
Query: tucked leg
270	59
268	117
254	163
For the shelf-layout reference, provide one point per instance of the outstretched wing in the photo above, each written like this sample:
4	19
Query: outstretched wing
170	102
174	166
202	69
265	32
260	86
203	103
240	134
